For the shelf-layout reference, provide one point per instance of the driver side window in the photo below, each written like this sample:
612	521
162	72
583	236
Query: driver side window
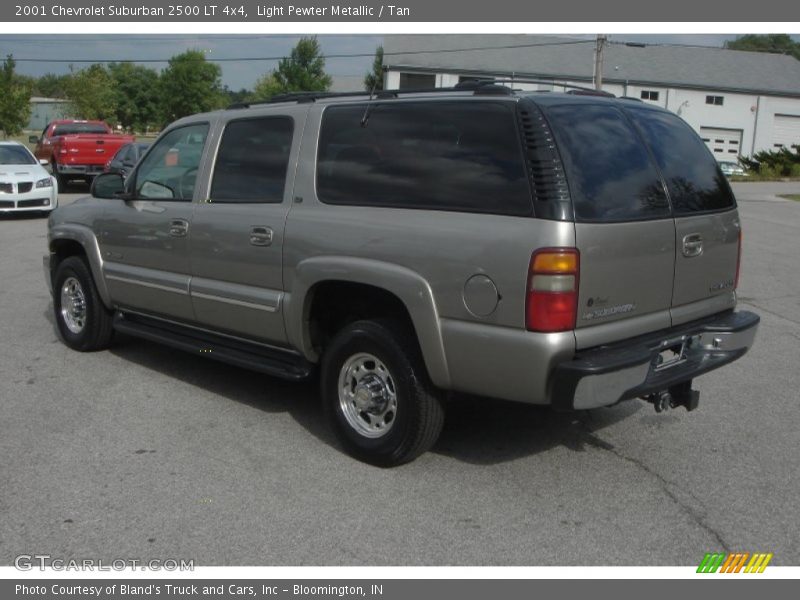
169	171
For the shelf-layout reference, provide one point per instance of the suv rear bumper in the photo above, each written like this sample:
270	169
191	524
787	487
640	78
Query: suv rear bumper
608	374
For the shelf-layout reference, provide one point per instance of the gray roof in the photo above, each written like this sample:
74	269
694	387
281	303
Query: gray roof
675	66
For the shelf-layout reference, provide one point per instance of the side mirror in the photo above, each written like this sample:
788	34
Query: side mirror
32	139
44	162
107	185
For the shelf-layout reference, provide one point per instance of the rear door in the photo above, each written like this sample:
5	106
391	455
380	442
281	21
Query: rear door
237	239
623	225
707	225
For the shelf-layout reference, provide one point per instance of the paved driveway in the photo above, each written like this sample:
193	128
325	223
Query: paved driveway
146	452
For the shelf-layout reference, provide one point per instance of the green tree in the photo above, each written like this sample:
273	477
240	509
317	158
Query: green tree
302	71
51	85
190	84
373	80
137	94
91	93
232	96
266	87
15	99
775	43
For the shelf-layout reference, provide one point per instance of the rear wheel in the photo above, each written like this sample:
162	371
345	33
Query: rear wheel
83	321
61	181
377	395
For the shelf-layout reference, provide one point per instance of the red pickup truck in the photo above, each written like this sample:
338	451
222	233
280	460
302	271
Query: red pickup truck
78	149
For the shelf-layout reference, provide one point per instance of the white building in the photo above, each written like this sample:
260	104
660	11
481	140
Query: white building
739	102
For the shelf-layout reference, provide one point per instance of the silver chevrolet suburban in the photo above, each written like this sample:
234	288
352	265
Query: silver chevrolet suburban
564	249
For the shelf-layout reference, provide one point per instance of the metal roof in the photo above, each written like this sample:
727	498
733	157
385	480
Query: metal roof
675	66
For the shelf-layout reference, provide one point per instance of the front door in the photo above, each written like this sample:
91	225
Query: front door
237	232
145	240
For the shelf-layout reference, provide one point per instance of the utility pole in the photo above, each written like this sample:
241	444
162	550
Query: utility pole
598	62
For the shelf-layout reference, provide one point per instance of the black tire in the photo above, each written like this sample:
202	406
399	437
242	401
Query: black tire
419	416
61	181
97	331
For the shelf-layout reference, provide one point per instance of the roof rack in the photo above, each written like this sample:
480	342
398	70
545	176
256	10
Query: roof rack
302	97
488	87
574	89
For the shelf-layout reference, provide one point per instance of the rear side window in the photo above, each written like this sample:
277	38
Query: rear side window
252	161
610	174
459	156
693	179
80	128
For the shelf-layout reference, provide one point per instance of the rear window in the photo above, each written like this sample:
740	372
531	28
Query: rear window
460	156
693	179
610	174
76	128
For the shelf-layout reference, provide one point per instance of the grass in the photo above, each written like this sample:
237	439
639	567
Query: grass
795	197
756	177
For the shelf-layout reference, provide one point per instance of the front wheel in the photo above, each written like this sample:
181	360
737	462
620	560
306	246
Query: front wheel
377	395
83	321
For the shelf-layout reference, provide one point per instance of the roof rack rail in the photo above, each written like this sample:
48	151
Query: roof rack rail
299	97
567	86
489	87
303	97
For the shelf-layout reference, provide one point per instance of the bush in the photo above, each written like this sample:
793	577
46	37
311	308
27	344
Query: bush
777	163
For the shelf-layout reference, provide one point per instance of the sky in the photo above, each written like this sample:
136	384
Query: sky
54	53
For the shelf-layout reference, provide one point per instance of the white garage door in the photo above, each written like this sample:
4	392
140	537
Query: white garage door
786	131
724	143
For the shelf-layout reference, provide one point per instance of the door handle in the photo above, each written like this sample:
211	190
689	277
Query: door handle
692	245
261	236
178	227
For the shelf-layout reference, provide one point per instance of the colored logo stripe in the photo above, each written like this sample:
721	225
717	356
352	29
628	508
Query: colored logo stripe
758	563
734	562
711	562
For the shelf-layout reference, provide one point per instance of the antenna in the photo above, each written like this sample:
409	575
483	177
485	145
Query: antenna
365	117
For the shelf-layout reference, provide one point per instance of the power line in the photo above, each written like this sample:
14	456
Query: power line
327	56
117	38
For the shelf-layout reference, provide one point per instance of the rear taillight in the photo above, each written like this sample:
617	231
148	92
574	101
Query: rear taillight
738	261
552	297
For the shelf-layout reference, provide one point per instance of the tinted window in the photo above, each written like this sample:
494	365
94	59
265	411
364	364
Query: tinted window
140	149
122	153
252	160
80	128
169	172
610	174
462	156
694	182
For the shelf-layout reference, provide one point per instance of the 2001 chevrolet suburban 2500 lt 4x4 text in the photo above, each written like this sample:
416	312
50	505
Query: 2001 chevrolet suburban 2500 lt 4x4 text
566	249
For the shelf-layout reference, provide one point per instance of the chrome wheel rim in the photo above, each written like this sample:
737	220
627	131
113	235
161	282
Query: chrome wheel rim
367	395
73	305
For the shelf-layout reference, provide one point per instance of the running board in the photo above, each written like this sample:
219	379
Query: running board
239	353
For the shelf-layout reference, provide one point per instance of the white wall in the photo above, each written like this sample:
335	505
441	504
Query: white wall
737	112
769	107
